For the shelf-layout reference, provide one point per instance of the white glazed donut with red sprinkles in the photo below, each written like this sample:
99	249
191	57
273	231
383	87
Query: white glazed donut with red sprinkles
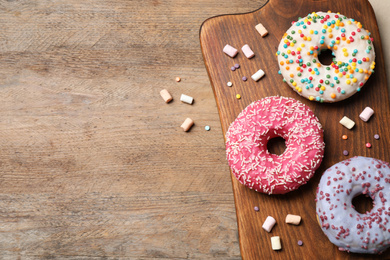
352	48
348	229
246	145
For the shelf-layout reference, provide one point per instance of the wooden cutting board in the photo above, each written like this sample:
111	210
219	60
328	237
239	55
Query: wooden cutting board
276	16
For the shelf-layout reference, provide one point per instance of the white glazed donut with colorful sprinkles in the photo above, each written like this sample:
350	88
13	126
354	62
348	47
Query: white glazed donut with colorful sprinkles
246	145
345	227
351	46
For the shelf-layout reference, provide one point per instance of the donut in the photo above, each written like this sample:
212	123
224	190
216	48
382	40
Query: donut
351	45
348	229
246	145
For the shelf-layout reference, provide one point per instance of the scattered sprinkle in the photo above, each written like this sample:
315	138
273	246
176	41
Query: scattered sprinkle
256	208
376	137
345	137
237	66
368	145
300	242
244	78
207	128
229	84
238	96
233	68
345	152
178	79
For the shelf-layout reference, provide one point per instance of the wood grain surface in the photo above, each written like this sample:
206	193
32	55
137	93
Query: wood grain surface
276	16
93	163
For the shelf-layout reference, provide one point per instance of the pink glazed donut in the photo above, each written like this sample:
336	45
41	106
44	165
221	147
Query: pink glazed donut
348	229
246	145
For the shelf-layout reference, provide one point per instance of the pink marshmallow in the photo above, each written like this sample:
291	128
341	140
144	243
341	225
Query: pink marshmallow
366	114
269	223
229	50
247	51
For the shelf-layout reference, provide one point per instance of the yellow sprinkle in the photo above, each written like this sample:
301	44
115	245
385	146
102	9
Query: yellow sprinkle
349	22
299	49
294	83
340	75
354	80
299	90
311	98
309	39
311	31
348	81
299	31
322	88
285	41
361	70
372	67
330	30
337	41
345	54
292	44
288	51
344	50
325	26
302	45
238	96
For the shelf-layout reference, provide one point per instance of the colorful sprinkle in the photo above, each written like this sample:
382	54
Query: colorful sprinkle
178	79
368	145
229	84
300	243
345	152
207	128
376	137
238	96
345	137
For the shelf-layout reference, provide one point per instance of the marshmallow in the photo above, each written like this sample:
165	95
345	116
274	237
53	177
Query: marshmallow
293	219
258	75
348	123
366	114
187	124
229	50
261	29
247	51
275	242
186	99
269	223
166	96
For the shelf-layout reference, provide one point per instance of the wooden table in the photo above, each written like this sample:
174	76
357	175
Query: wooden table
93	163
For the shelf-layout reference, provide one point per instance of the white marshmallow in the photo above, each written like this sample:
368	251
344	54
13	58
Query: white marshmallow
348	123
258	75
186	99
275	242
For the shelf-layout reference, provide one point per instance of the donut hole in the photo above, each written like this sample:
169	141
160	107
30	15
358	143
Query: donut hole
362	203
276	145
326	57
